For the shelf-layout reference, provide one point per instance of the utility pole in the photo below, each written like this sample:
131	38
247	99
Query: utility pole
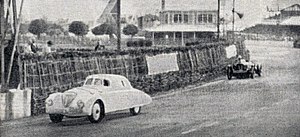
119	24
2	25
233	10
17	23
218	20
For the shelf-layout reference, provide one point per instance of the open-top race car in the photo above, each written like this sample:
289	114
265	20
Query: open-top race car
243	69
297	43
100	94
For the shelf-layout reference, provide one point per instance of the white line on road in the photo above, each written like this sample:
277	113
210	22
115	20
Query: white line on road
263	108
205	124
211	124
189	131
282	102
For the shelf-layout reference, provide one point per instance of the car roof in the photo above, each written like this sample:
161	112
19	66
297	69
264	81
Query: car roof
107	76
117	81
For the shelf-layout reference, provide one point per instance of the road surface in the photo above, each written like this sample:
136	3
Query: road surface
263	106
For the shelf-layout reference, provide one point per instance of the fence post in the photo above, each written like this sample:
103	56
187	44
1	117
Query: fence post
125	66
97	64
191	60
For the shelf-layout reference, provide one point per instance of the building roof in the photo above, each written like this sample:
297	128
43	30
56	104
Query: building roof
292	21
183	28
295	7
191	5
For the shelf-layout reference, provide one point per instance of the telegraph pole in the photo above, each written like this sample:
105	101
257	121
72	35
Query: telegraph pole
119	24
218	20
2	25
233	10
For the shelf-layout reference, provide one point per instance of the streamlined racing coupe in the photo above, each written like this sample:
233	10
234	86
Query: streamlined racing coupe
100	94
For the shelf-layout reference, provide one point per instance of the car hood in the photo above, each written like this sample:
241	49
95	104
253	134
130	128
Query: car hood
83	90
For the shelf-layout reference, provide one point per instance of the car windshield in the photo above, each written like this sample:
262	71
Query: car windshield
89	81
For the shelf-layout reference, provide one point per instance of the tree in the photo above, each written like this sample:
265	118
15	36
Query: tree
37	27
130	29
54	29
78	28
102	29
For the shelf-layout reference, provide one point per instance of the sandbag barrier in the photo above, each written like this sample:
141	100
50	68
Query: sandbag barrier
48	73
15	104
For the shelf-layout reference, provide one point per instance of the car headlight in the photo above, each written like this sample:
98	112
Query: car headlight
80	104
49	102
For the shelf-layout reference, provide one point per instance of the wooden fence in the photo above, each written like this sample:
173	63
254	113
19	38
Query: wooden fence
46	74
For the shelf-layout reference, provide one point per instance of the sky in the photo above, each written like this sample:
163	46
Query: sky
89	10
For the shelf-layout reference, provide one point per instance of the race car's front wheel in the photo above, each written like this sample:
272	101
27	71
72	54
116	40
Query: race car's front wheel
135	110
56	118
97	114
251	75
258	70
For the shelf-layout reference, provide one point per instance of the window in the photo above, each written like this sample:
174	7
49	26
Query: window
98	82
177	18
166	19
200	18
204	18
89	81
185	18
123	83
106	83
210	18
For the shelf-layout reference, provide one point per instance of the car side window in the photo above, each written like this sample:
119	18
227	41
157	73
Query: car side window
89	81
106	83
98	82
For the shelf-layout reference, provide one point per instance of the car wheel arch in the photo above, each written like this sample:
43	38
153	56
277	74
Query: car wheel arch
101	104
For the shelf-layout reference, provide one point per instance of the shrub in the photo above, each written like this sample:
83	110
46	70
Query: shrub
130	44
37	27
135	43
141	43
78	28
104	28
130	29
148	43
188	44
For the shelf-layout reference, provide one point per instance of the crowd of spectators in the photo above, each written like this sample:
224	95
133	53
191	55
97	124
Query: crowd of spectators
33	48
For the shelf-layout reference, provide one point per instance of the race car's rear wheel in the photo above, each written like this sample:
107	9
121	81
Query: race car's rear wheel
56	118
97	114
135	110
229	73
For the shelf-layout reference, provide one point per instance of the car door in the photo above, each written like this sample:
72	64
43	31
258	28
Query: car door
115	98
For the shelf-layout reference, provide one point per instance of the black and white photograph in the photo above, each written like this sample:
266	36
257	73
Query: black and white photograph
149	68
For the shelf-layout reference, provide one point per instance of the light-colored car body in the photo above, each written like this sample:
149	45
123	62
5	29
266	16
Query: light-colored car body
112	92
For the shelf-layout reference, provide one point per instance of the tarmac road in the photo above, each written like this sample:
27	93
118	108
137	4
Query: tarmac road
263	106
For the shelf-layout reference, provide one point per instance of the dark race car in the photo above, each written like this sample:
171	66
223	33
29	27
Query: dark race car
297	43
243	69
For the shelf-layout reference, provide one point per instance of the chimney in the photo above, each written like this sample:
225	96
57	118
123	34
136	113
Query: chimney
163	4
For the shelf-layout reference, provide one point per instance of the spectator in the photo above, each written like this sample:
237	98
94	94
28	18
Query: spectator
33	46
47	49
240	60
26	49
99	45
